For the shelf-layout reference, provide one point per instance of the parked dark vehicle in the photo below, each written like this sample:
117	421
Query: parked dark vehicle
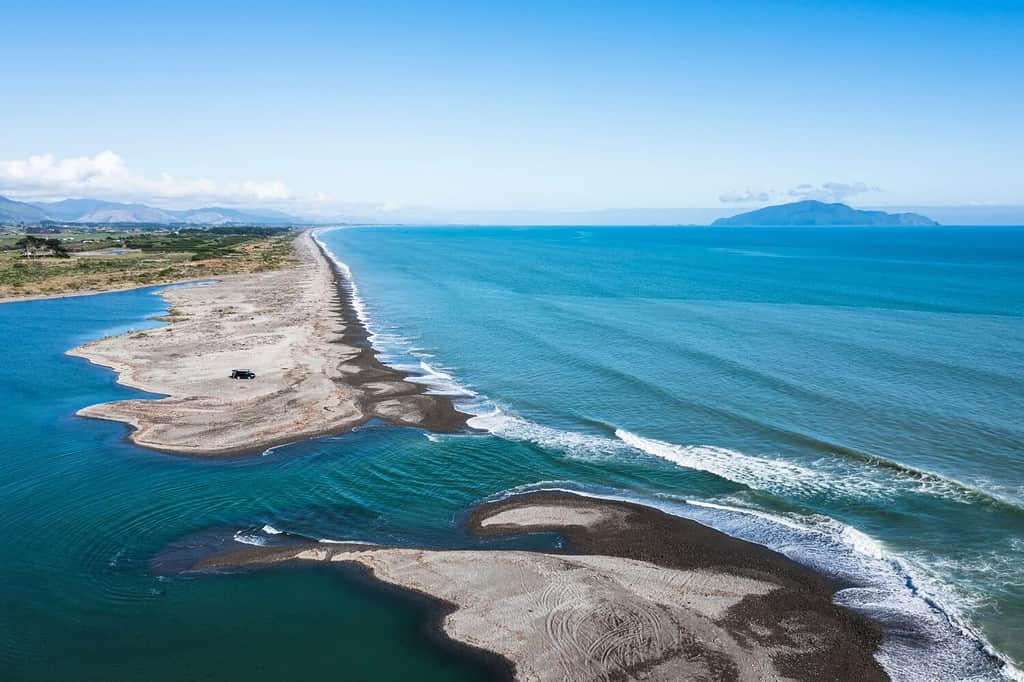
243	374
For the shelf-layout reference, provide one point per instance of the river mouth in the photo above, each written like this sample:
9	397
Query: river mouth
780	463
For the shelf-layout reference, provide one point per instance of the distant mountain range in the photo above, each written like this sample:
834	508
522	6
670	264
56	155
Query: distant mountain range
95	211
819	213
17	212
798	213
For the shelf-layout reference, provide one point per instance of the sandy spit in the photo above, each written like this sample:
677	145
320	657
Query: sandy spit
315	373
640	595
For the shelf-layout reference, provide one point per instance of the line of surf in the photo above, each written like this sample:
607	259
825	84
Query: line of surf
888	588
773	474
399	351
778	475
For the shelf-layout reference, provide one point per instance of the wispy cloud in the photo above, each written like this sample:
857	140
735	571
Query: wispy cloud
747	196
827	191
107	176
831	191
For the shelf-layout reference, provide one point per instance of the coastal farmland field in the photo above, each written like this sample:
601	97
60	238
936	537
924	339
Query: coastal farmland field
118	260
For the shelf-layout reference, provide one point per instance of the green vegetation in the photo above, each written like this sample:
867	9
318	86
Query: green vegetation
38	247
73	261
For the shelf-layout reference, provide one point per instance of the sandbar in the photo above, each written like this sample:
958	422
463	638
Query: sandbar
637	594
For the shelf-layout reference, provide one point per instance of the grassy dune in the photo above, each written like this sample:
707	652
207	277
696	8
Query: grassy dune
100	261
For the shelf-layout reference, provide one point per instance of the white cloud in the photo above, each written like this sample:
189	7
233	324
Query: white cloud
107	176
746	196
827	191
831	191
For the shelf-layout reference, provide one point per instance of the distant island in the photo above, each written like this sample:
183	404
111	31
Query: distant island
819	213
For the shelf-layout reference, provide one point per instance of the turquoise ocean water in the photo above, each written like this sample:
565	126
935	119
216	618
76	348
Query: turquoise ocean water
851	397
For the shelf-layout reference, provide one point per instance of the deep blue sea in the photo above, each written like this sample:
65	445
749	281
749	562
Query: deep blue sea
853	398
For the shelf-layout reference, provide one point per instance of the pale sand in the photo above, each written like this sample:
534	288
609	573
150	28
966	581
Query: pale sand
288	327
642	596
578	617
550	515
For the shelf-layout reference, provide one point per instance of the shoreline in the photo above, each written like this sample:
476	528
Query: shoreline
387	386
97	292
434	612
640	593
297	329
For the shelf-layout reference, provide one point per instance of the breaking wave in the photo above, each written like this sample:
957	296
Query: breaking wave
249	537
929	637
397	350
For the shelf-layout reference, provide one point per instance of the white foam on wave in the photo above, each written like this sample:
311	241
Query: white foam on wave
258	537
271	450
578	444
439	381
358	304
862	543
890	588
261	537
774	475
780	476
399	351
250	538
433	371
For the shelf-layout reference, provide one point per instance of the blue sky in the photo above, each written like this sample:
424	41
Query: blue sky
525	105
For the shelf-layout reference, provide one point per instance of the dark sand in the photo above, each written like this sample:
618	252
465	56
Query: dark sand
801	609
386	393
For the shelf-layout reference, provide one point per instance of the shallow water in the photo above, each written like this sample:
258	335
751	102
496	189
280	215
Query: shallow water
850	397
